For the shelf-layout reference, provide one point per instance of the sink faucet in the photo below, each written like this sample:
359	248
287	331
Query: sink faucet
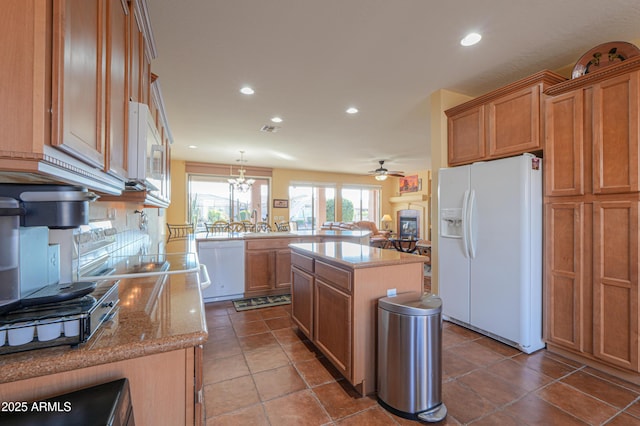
254	216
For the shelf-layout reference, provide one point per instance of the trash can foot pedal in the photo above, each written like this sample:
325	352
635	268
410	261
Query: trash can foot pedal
434	415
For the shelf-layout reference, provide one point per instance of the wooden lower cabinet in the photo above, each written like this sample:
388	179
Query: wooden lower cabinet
163	386
615	281
268	266
283	268
302	293
565	275
332	325
260	273
591	279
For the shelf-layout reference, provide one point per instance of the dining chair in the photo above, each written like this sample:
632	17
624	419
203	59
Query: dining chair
283	227
236	227
179	230
263	227
248	226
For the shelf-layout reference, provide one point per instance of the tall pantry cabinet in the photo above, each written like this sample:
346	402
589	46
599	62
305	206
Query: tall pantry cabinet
591	216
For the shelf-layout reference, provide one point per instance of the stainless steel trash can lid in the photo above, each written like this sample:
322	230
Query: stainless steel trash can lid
412	303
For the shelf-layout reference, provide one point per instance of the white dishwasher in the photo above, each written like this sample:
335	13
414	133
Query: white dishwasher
225	263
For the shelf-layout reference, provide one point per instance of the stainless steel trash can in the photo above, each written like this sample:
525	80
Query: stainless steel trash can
410	356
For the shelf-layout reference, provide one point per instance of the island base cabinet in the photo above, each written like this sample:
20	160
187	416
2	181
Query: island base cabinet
332	331
302	294
162	386
335	305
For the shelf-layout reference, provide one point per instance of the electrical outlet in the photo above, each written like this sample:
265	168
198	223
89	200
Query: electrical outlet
53	264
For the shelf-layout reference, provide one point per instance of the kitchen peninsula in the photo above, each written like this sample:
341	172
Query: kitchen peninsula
154	340
251	264
335	289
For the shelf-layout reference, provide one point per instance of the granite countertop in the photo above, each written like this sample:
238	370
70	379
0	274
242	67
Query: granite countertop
355	255
203	236
155	314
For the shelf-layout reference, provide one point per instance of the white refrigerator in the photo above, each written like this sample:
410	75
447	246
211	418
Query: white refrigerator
490	249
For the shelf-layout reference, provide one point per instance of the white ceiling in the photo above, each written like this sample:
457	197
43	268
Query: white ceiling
309	60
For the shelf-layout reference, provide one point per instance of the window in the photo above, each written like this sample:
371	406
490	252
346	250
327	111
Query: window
311	205
211	198
360	203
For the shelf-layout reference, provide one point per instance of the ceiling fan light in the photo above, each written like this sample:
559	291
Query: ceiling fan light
381	177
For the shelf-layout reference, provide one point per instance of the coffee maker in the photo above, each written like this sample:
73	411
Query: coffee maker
26	214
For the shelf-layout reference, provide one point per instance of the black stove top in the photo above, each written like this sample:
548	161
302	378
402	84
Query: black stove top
77	320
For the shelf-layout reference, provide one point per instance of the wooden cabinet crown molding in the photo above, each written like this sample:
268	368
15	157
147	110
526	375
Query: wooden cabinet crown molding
594	77
546	77
144	22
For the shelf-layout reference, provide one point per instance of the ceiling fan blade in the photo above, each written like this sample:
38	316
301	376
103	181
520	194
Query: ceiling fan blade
395	174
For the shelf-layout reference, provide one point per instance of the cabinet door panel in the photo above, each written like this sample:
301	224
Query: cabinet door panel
563	155
466	137
117	90
259	270
78	74
615	139
514	123
332	325
302	300
283	268
136	45
564	273
615	280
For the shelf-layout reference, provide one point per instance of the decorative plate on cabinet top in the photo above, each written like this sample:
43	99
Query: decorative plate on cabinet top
603	56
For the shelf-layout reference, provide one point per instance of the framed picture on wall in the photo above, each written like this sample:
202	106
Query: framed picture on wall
409	184
280	203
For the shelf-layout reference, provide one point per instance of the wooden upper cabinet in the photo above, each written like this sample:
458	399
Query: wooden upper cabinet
136	46
466	136
78	79
117	87
615	134
142	52
514	123
502	123
564	148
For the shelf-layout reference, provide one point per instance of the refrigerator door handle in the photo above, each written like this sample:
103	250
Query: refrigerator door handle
465	217
470	217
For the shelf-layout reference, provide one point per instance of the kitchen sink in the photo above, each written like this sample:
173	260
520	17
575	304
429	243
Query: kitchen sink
148	267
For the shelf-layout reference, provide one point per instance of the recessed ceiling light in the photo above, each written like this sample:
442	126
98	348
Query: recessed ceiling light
470	39
276	120
352	110
193	146
246	90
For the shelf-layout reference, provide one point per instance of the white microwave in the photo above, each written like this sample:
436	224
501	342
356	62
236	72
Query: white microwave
147	154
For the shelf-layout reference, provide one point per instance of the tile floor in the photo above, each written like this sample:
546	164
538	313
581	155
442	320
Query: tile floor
259	371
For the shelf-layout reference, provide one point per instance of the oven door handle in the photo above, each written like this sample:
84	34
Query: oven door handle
207	281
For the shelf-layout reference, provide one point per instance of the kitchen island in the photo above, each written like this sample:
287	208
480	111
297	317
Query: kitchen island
335	292
154	339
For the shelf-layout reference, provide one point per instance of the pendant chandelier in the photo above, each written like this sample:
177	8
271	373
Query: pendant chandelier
241	183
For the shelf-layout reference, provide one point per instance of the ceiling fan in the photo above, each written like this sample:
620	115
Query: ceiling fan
381	173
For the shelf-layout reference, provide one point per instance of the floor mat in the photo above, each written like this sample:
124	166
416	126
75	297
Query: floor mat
261	302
